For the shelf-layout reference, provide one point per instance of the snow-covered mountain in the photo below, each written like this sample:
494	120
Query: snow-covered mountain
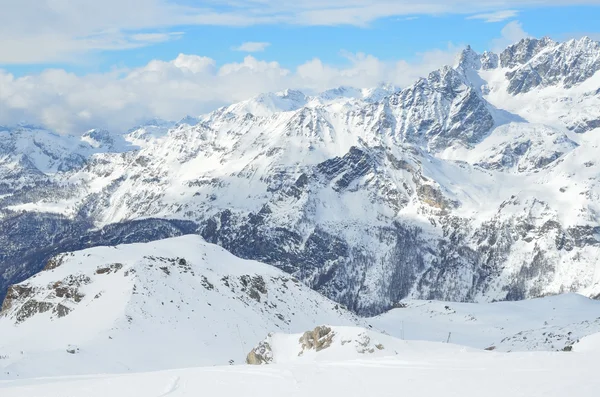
476	183
182	303
173	303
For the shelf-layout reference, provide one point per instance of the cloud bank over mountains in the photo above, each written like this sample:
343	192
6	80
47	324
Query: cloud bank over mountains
187	85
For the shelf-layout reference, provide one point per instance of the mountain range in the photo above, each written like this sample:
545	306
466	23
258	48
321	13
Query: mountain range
478	183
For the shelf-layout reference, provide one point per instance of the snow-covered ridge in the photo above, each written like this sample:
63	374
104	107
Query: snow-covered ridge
546	324
51	153
266	105
173	303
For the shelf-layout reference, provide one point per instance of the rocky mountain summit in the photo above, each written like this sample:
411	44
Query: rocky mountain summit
478	182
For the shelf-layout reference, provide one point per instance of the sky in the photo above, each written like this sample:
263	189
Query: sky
71	66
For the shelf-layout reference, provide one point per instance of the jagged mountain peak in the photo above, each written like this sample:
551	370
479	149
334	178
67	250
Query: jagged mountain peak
267	104
523	51
546	63
468	59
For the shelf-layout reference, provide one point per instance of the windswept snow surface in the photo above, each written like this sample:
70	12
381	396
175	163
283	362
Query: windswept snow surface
419	369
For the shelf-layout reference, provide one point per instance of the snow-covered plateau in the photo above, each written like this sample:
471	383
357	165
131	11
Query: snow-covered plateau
418	370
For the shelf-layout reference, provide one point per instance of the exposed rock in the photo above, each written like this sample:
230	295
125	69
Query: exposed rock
253	286
318	339
567	63
61	310
262	354
434	197
67	291
363	344
31	308
206	284
20	305
72	349
583	126
16	293
523	51
112	268
489	60
55	262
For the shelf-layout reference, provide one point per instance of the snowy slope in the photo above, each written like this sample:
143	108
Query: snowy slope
51	153
418	370
174	303
544	324
590	343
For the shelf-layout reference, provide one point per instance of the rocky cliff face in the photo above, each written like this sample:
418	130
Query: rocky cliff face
479	182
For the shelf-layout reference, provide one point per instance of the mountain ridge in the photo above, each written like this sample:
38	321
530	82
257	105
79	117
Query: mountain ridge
476	183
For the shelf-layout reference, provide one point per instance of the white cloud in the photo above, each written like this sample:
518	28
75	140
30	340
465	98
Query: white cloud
252	46
186	85
511	33
38	31
155	37
497	16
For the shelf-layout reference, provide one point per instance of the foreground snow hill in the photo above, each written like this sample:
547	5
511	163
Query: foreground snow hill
173	303
420	369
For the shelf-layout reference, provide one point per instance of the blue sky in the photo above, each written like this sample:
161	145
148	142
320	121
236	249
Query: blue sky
291	44
75	65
